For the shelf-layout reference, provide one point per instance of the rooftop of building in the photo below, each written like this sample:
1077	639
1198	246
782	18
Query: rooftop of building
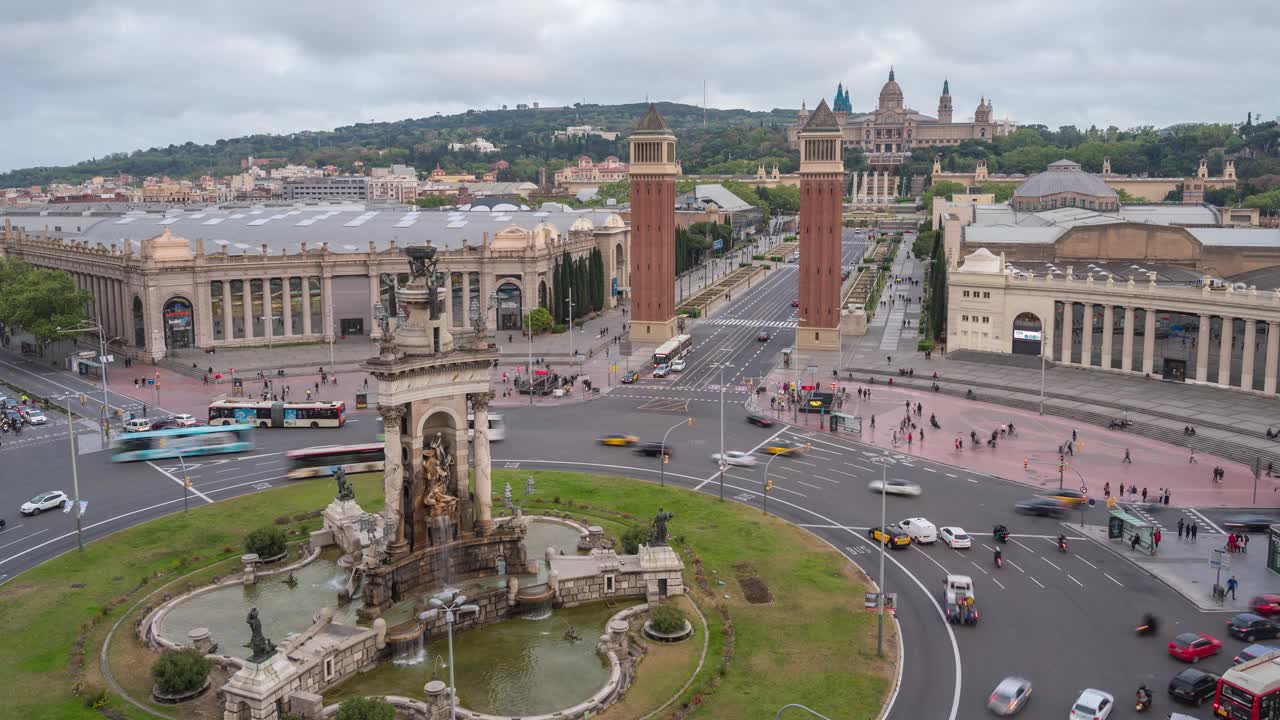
347	227
1064	176
702	195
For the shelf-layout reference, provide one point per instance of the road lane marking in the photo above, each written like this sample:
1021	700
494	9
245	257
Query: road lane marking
842	472
819	477
1002	587
15	527
1202	516
815	487
984	572
832	527
15	542
793	492
1035	581
752	451
180	483
87	393
862	467
971	480
1024	547
1015	565
952	475
804	462
935	562
1114	580
929	469
1086	562
1055	567
1075	581
233	469
829	452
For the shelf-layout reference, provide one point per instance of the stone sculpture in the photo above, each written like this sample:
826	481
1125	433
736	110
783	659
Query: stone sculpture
658	530
259	644
345	491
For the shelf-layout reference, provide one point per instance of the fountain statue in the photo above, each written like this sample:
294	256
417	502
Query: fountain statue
291	581
437	470
261	646
422	264
658	530
345	491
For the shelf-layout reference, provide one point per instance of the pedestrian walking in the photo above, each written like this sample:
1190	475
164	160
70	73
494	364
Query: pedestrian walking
1167	496
1181	527
1231	543
1106	487
308	394
1127	459
1244	542
1073	434
1155	536
1144	494
1192	459
1232	584
1195	529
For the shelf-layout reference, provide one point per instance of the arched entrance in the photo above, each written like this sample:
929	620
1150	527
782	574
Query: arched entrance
139	324
619	270
179	331
1027	334
509	306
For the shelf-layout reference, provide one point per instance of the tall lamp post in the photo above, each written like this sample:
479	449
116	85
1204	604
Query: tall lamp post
186	484
528	368
451	605
722	462
767	485
884	461
662	451
75	476
95	327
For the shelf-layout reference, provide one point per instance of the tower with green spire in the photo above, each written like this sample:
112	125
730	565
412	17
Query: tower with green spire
944	102
842	102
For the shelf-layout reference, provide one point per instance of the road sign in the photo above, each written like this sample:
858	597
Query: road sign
808	387
1219	559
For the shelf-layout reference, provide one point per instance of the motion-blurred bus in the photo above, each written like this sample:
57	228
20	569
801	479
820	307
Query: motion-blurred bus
325	461
274	413
185	442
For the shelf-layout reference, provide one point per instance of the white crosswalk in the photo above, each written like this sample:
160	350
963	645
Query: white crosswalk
744	322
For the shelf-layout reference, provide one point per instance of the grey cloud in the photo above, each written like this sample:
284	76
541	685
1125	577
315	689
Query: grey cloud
86	78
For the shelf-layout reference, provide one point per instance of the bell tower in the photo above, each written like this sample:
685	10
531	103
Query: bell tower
653	174
821	225
944	103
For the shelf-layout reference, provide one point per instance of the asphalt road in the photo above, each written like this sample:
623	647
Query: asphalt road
1063	620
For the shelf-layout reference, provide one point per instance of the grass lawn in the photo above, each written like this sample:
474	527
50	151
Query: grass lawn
664	670
812	642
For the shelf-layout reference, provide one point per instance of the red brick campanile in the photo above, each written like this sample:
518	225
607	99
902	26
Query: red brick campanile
653	230
821	223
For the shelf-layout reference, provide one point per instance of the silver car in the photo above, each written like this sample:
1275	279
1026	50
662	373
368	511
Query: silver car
1009	696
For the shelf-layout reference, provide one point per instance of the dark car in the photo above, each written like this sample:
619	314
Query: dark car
1249	627
165	424
1042	507
1265	605
762	336
795	303
760	420
1193	686
652	449
13	416
1249	523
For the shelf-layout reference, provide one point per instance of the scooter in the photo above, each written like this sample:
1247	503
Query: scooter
1142	705
999	561
1062	546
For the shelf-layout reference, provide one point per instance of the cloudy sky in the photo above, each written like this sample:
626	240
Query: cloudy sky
83	79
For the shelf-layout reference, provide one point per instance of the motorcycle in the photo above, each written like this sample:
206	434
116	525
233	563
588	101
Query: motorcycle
999	561
1062	546
1149	626
1119	424
1000	533
1142	704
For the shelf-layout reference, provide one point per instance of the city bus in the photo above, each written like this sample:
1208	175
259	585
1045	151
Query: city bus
324	461
185	442
676	347
274	413
497	427
1250	690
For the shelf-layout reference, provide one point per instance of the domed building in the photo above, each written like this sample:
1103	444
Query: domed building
1065	184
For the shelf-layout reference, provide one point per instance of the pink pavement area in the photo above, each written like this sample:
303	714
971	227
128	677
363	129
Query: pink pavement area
181	394
1098	457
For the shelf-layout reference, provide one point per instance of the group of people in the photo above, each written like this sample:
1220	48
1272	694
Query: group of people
1237	542
1188	529
1219	474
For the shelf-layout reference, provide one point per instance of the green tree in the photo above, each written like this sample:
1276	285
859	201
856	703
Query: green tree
937	297
667	619
266	542
1002	191
177	672
540	320
944	189
433	201
40	300
366	708
1267	201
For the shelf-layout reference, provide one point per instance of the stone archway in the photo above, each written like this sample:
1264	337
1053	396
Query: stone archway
510	306
179	327
619	270
1028	334
543	300
422	527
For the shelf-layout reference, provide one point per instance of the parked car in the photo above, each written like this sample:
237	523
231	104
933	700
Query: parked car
1249	627
1009	696
1191	647
1193	686
45	501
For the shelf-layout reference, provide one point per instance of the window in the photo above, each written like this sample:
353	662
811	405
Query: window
966	293
986	318
609	584
215	308
317	313
328	669
964	318
986	296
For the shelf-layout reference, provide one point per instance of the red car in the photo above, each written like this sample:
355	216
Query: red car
795	303
1265	605
1190	647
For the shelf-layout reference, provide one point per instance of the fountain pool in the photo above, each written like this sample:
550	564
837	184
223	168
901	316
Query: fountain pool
517	667
544	534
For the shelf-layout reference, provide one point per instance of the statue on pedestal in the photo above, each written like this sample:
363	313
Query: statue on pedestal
436	472
261	647
658	530
422	264
345	491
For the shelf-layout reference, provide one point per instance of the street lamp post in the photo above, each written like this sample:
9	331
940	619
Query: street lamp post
528	369
451	604
884	461
75	476
186	484
722	461
95	327
1042	366
662	451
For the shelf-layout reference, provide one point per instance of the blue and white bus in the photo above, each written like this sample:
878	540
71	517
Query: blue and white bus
187	442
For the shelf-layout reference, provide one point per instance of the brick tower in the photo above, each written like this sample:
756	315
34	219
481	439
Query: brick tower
653	230
821	222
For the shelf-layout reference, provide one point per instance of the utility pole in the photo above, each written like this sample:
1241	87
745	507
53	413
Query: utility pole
722	460
75	476
528	369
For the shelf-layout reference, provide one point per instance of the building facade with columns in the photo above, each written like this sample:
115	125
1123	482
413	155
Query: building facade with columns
1148	319
247	276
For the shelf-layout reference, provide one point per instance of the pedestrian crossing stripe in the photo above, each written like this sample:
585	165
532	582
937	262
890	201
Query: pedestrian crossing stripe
744	322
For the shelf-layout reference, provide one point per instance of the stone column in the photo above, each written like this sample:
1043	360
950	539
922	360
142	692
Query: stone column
1202	349
466	300
286	293
1086	335
1108	328
375	297
393	477
228	325
1149	341
1068	315
202	309
448	300
126	313
484	478
306	304
246	298
1246	362
326	303
1126	346
1269	365
1225	346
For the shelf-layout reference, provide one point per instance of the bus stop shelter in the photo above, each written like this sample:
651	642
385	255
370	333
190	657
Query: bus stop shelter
1132	530
846	422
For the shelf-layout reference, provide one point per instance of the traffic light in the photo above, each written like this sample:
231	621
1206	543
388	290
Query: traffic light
666	459
768	485
690	422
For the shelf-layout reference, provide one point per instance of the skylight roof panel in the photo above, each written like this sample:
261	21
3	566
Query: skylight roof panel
213	221
125	220
457	224
260	221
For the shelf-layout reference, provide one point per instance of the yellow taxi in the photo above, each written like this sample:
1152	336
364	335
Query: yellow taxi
619	440
892	537
1074	498
784	447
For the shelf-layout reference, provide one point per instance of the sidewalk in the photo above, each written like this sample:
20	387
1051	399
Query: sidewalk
1183	564
1031	457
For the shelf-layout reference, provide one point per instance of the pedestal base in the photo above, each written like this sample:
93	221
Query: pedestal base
397	549
484	527
811	338
652	331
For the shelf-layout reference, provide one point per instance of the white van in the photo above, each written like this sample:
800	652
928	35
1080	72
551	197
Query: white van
919	529
137	425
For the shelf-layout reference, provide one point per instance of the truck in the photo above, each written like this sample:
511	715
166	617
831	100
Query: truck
958	600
